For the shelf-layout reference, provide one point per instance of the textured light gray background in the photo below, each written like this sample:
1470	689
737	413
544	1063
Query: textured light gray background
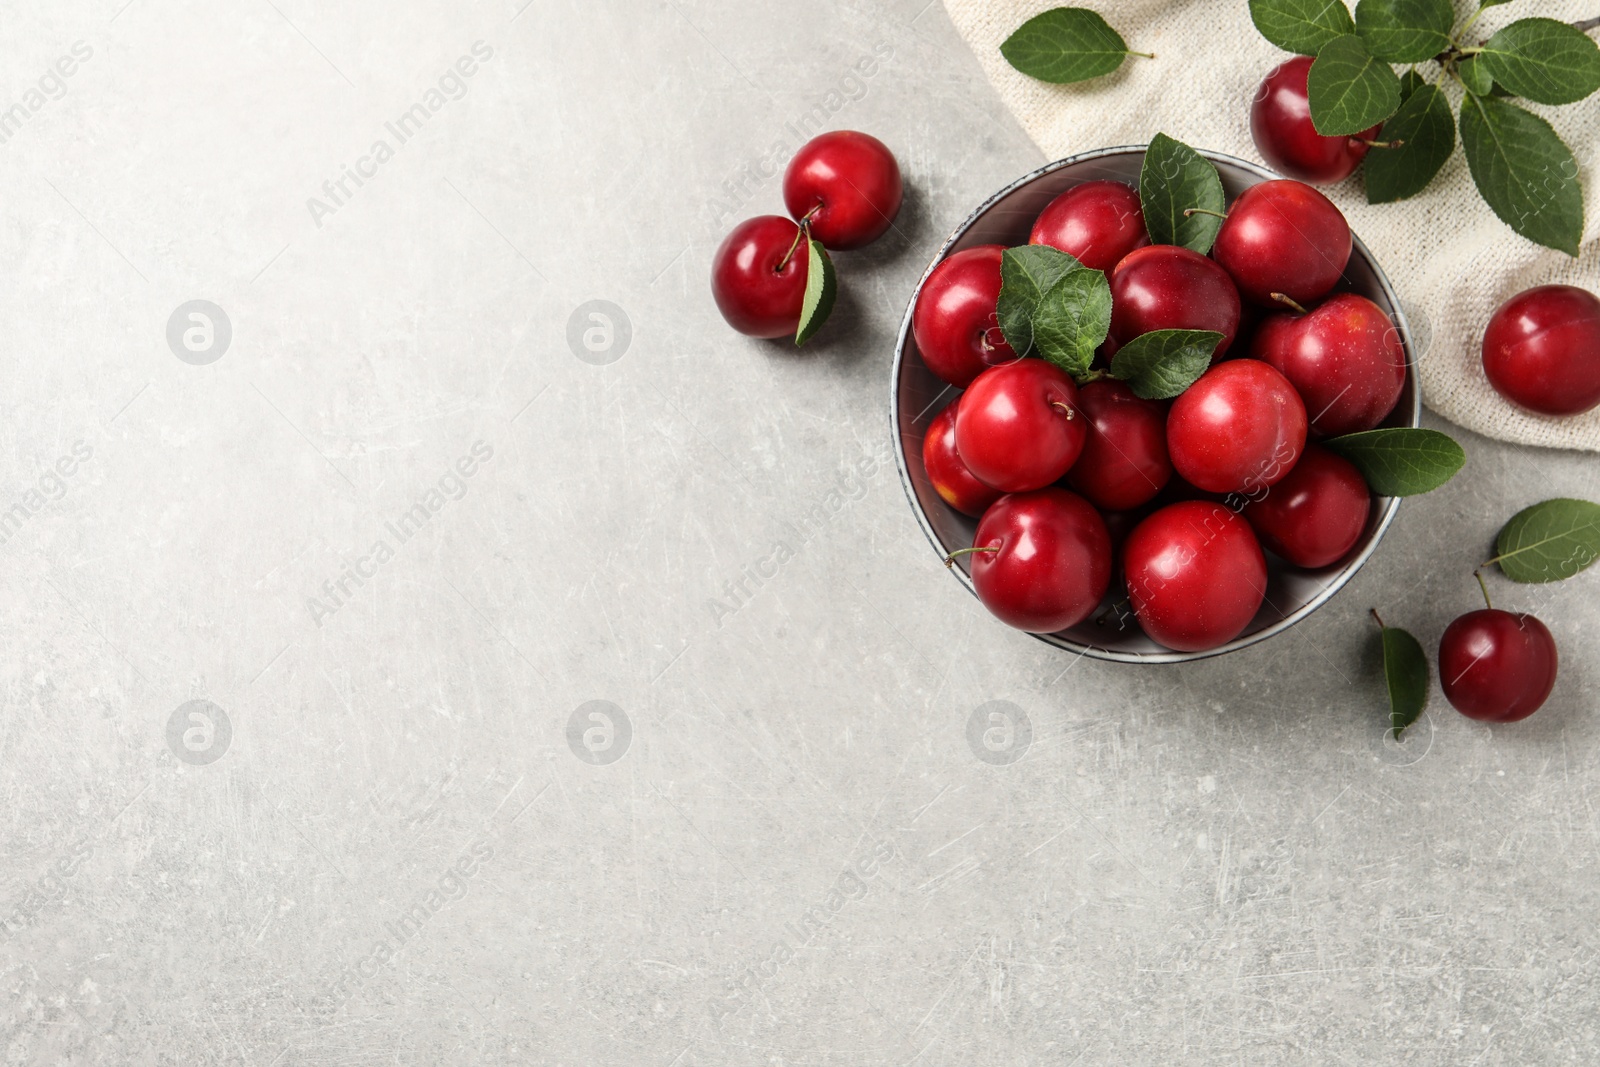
796	856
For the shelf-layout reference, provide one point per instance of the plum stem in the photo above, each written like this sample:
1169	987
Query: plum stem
783	264
803	232
1380	144
1381	624
1192	211
950	560
1478	574
1063	408
1289	302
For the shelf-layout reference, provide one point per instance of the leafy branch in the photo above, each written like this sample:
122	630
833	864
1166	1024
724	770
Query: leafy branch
1522	168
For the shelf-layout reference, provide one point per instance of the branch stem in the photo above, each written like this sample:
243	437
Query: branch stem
1290	303
950	560
799	235
803	233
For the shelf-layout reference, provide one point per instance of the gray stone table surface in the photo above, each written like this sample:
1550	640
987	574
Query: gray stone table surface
308	590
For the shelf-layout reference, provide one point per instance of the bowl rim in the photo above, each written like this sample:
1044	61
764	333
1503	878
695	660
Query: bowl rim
1390	505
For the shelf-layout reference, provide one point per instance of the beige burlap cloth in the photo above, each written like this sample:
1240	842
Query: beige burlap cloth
1450	258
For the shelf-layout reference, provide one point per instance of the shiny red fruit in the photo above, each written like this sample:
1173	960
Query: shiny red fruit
951	479
1345	359
851	181
758	277
1098	223
1239	429
1497	666
1283	237
1316	514
1195	575
1019	427
1046	560
1166	287
1542	350
1124	462
954	322
1280	122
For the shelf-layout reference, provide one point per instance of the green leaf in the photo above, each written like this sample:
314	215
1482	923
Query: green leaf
1550	541
1410	82
1026	274
1402	461
1475	76
1547	61
1405	669
1302	26
1426	131
1066	44
1073	319
1175	178
1163	363
1350	91
821	288
1524	171
1405	31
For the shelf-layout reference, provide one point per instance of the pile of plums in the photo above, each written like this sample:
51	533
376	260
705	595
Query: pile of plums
1073	483
844	189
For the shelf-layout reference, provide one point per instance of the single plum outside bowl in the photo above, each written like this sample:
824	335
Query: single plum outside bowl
917	396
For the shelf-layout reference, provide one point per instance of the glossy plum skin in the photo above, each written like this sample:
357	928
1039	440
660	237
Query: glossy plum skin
1098	223
954	322
1497	666
1239	429
1316	514
1166	287
754	294
1344	358
1124	463
1195	574
1019	427
1280	123
1542	350
1053	563
851	180
955	484
1283	237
